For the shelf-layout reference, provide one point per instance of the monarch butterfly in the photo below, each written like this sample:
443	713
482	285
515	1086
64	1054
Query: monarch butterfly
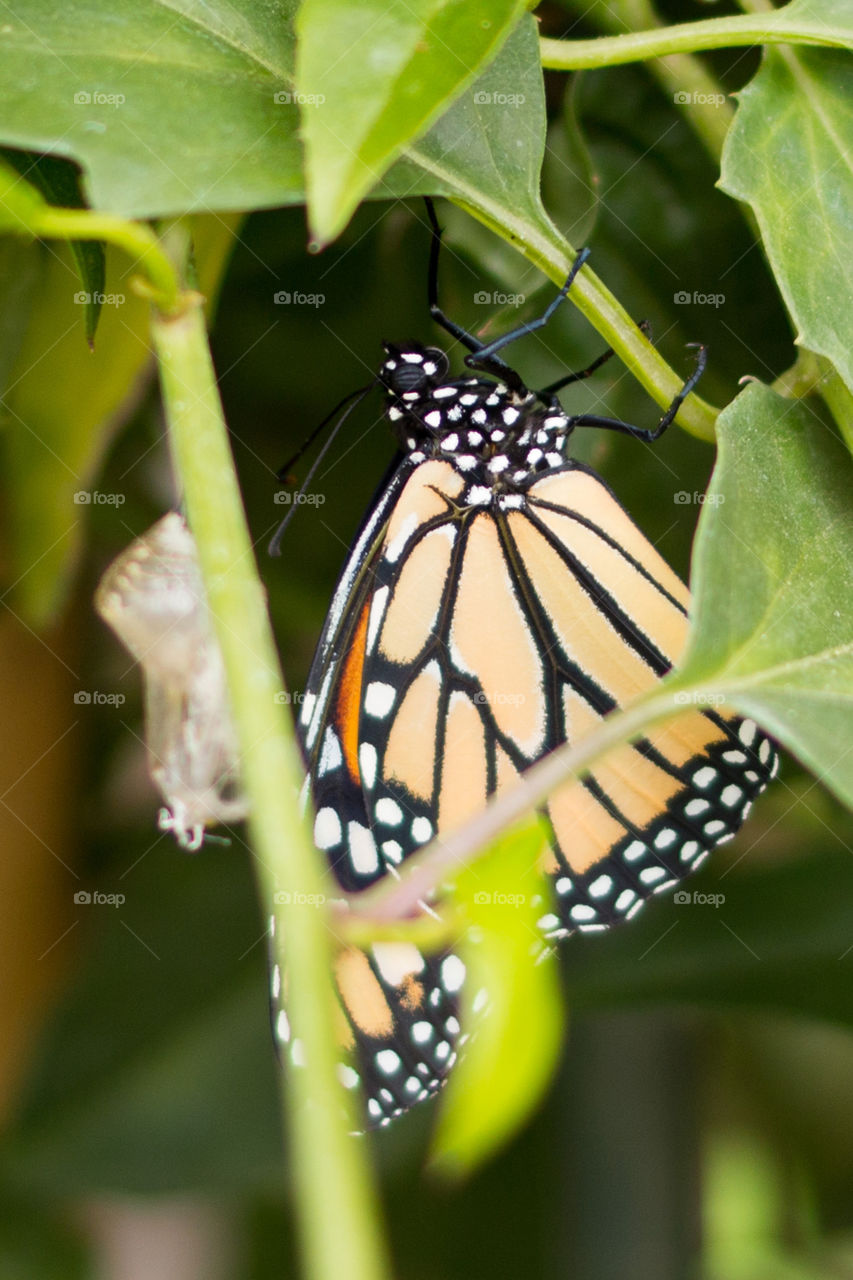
497	602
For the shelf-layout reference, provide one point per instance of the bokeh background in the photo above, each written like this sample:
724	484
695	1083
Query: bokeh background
701	1123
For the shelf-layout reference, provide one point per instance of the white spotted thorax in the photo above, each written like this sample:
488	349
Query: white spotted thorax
498	438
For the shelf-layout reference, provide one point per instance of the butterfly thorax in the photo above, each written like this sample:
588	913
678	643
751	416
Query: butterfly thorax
499	437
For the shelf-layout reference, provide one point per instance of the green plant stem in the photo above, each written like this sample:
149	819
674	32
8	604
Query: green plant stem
334	1187
425	871
686	37
709	113
553	256
135	238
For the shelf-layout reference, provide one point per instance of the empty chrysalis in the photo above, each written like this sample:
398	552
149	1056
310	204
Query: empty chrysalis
153	598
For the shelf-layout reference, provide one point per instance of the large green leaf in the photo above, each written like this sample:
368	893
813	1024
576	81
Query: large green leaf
372	77
486	152
513	1047
773	581
168	107
790	155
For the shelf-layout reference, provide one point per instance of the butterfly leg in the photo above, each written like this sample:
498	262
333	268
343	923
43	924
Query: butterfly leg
484	358
650	434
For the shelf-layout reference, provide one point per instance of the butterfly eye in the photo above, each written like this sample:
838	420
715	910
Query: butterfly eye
407	377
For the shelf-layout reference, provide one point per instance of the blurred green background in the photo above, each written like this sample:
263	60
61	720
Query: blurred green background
701	1121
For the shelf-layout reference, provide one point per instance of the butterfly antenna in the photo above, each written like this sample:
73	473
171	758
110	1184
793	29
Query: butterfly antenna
355	397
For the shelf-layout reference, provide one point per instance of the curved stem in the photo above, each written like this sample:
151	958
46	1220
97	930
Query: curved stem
135	238
554	256
424	871
686	37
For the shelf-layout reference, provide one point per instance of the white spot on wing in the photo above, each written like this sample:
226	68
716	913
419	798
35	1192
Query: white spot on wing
452	974
377	613
327	829
396	960
388	812
379	699
362	849
367	763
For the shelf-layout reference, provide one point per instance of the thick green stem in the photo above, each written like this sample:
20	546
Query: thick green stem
686	37
334	1186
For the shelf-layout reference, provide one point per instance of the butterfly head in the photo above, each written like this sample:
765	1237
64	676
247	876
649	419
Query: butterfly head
410	371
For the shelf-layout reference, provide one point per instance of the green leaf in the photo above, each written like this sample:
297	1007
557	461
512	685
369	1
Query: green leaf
485	152
60	412
789	155
373	77
773	581
106	97
508	1061
20	204
828	20
58	181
